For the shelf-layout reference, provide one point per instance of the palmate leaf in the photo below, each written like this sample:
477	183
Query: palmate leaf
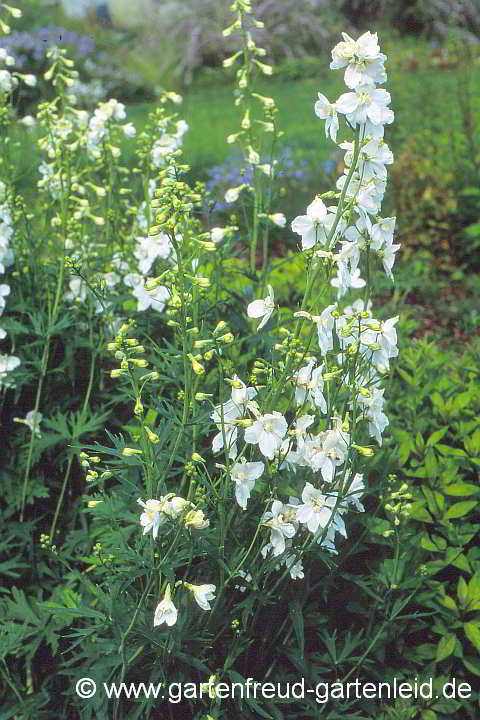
69	428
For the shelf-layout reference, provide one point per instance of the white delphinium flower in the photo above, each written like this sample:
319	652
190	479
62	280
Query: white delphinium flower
203	594
217	234
232	194
32	420
152	517
345	279
148	249
316	509
165	612
78	290
366	196
362	58
382	232
327	111
387	254
115	109
267	432
229	411
280	527
325	324
309	386
278	219
311	227
366	103
349	254
110	279
360	234
373	157
174	505
244	475
162	147
262	308
196	519
4	292
8	82
6	254
355	491
293	565
382	343
237	406
129	130
27	121
29	80
373	410
226	438
325	452
156	298
382	243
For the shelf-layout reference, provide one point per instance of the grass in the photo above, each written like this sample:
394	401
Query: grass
422	97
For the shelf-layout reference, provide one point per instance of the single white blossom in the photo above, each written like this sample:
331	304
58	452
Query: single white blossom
267	432
165	612
244	474
203	594
262	308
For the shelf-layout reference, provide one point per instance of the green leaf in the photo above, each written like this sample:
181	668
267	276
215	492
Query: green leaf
419	512
436	436
462	591
472	631
447	450
446	646
460	401
472	664
457	559
426	651
419	442
296	614
461	489
54	608
448	602
460	509
438	401
434	543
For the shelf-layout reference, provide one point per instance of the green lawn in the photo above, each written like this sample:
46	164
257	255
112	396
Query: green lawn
422	98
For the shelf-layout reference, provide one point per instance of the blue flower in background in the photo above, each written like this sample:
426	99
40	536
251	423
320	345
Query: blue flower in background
28	46
234	172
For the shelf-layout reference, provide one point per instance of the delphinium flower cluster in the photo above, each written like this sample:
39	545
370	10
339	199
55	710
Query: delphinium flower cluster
9	81
7	362
291	441
354	348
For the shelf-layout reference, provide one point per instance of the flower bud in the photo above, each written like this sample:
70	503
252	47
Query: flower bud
221	326
139	362
153	437
128	451
365	451
118	372
197	368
